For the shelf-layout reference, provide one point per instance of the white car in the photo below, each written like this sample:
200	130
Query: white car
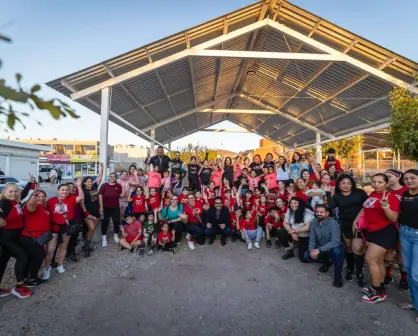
8	179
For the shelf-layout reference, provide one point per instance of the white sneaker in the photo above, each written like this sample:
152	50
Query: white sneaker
191	245
104	241
257	245
47	273
116	238
60	269
187	236
250	246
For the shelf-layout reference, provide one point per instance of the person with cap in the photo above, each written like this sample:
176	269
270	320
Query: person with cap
332	160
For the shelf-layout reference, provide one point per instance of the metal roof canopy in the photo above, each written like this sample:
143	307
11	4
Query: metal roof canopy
306	79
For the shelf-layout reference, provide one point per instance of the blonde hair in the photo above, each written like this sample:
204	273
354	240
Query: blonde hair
7	187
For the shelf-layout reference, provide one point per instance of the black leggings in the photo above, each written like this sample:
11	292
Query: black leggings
303	243
9	241
194	184
178	226
167	246
36	255
113	213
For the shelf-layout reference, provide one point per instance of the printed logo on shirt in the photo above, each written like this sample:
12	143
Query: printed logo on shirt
370	202
19	209
60	208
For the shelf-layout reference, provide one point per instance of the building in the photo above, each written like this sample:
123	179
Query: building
267	146
125	155
74	157
17	159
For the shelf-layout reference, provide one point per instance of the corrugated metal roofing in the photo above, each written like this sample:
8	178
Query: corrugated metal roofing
332	96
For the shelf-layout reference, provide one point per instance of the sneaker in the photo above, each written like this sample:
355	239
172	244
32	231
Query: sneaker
388	281
374	297
257	245
349	275
325	267
141	251
36	282
191	245
211	241
47	273
360	280
116	238
367	290
4	292
104	241
268	243
338	282
223	241
60	269
22	292
403	285
250	245
277	244
150	253
289	254
187	236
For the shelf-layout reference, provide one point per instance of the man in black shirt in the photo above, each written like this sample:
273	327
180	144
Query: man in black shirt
160	160
177	165
217	221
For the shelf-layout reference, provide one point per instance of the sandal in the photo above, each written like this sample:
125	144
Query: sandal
407	306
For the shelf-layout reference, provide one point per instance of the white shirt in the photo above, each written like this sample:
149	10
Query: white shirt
307	218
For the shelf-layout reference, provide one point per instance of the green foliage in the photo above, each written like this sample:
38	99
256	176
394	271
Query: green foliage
404	123
346	148
11	99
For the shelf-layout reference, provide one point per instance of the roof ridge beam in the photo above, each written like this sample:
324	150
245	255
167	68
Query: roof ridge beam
167	60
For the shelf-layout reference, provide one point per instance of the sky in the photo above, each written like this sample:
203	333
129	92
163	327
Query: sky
53	38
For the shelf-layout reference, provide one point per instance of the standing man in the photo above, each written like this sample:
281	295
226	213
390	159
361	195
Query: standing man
52	175
59	175
217	222
332	160
325	244
177	165
160	160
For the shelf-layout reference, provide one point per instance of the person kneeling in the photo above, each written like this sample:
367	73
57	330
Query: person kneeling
217	222
165	239
325	243
131	233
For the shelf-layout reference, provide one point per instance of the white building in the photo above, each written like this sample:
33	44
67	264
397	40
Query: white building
17	159
129	154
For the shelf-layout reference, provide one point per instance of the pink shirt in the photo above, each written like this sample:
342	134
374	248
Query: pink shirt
154	179
238	171
217	178
253	182
271	178
132	178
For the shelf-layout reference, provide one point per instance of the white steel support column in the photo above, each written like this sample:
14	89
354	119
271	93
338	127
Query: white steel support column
104	125
318	148
153	142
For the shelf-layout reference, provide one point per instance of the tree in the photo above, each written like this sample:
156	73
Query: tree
403	134
345	148
188	151
13	99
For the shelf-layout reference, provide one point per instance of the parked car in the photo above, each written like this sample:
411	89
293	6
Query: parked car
44	174
8	179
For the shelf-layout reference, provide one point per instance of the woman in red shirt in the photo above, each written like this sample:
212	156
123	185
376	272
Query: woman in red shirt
299	190
62	209
381	211
109	195
35	234
11	224
397	188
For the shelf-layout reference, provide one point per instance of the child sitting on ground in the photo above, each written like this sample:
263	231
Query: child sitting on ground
165	239
150	232
131	233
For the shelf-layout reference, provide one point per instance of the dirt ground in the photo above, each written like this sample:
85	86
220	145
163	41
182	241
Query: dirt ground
211	291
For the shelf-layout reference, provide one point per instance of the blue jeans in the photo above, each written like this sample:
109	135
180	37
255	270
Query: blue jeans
336	255
253	234
215	229
409	244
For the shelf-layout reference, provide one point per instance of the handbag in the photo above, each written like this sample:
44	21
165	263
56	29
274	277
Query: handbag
73	227
42	239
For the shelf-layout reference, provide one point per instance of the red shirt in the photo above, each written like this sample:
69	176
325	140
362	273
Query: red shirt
229	202
154	201
138	204
192	218
374	216
234	221
164	237
166	201
15	218
399	193
271	200
182	198
211	196
132	230
249	224
200	202
302	196
110	194
263	209
247	203
271	220
255	199
38	221
56	209
337	164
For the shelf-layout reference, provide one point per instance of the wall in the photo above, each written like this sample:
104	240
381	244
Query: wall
18	162
128	154
267	146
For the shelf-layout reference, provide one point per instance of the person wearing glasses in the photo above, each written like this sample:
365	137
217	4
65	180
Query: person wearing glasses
217	221
192	219
173	215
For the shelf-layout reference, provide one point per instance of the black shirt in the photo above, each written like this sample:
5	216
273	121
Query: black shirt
205	175
269	164
222	218
257	168
409	210
229	173
5	207
177	167
348	206
162	163
91	199
193	171
243	182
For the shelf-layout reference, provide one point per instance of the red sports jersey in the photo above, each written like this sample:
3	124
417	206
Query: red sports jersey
211	196
398	193
247	204
234	222
249	224
262	209
164	237
38	221
154	201
193	213
182	198
138	204
56	209
15	218
200	202
374	216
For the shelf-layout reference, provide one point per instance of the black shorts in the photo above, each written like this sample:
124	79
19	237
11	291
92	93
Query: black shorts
273	232
386	237
346	229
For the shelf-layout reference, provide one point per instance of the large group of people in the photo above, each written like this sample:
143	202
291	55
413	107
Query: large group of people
287	198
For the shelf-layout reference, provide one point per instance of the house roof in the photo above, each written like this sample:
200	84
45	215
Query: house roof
312	76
